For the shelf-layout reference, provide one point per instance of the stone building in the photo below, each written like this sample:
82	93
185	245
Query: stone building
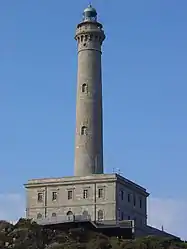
89	193
99	196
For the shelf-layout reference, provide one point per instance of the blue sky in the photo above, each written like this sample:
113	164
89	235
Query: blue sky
144	94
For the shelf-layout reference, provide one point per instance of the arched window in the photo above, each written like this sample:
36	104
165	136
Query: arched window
84	88
70	215
100	215
83	130
53	214
39	216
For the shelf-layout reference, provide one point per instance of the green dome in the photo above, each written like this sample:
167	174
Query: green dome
91	10
90	14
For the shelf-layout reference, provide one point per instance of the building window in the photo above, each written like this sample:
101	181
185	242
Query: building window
40	197
100	215
69	213
122	216
70	216
84	88
135	220
129	217
54	196
140	202
39	216
85	193
83	130
70	194
129	198
100	193
122	195
134	200
53	214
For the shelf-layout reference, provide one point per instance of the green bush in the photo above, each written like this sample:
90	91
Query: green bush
29	235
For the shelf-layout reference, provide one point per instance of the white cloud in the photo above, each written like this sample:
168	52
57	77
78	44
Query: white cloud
171	213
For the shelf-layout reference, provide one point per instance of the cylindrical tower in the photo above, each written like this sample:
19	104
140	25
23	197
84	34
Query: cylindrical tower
89	120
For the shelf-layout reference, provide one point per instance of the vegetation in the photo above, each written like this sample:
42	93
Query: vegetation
28	235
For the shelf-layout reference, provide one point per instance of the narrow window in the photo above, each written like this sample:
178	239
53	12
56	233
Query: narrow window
53	214
122	195
39	216
85	193
122	217
70	194
129	198
140	202
100	193
135	220
40	197
134	200
54	196
129	217
83	130
84	88
100	215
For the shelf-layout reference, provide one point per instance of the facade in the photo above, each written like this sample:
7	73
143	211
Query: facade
98	197
89	194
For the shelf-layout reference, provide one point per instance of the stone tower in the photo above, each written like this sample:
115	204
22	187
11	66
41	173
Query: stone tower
89	120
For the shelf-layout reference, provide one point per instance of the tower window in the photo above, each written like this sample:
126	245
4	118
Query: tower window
83	130
85	193
84	88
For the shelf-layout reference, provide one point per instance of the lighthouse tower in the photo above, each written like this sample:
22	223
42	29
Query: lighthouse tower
107	199
89	117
